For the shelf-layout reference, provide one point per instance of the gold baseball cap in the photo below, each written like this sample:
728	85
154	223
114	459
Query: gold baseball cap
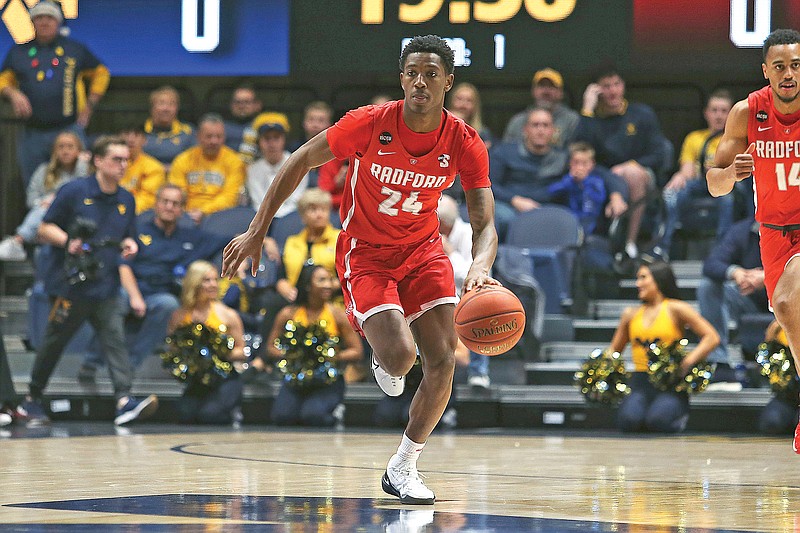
549	74
271	121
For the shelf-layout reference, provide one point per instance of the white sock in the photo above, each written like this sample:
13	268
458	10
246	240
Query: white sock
408	451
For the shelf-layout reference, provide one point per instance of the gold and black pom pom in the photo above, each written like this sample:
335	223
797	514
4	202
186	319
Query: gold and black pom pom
197	355
664	369
777	365
602	377
308	354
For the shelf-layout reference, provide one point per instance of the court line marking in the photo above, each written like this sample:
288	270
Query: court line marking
181	448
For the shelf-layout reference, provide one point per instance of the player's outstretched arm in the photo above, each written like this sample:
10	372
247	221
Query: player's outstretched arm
480	204
312	154
732	160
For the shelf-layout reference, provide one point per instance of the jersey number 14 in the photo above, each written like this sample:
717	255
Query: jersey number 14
793	179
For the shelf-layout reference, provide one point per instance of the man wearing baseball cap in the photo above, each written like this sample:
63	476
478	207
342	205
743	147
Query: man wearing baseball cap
272	129
547	90
39	79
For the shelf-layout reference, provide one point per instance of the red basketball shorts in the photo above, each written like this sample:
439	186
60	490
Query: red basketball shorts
776	251
410	278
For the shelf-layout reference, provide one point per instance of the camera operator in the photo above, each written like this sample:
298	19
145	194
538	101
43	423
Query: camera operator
149	280
90	224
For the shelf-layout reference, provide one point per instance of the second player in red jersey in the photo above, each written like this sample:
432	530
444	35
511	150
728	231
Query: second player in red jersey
397	281
762	139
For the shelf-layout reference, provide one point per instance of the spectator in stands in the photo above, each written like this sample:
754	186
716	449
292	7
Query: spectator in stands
10	410
317	117
66	163
465	103
627	139
522	171
697	156
211	174
145	175
732	285
40	80
272	130
547	90
316	243
582	189
221	403
150	281
662	318
314	402
88	223
166	135
240	136
780	414
457	242
332	177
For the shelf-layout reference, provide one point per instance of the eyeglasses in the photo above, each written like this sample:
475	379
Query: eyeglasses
119	160
238	101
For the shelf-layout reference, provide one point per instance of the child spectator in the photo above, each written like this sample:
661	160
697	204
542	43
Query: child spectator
582	189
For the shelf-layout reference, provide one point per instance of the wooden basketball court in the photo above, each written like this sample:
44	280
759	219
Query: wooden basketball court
165	478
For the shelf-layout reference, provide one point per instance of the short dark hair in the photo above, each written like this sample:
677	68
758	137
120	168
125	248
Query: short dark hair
431	44
778	37
606	69
664	278
135	126
100	146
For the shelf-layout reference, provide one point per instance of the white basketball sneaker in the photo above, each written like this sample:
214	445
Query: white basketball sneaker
391	385
401	479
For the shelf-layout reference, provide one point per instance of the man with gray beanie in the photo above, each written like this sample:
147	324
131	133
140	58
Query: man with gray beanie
40	80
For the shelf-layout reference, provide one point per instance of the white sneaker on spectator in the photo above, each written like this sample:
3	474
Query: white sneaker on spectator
401	479
479	382
5	419
12	250
391	385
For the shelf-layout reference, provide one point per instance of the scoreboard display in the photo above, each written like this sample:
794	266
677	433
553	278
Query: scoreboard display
351	37
520	36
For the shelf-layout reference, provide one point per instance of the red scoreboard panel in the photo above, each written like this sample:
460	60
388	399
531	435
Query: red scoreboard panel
709	35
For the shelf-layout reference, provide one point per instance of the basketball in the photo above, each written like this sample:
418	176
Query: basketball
490	320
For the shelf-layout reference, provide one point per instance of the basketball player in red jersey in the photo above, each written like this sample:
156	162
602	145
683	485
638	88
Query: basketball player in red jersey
762	139
397	281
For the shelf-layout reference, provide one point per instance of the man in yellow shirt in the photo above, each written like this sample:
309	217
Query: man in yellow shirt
211	174
144	175
697	155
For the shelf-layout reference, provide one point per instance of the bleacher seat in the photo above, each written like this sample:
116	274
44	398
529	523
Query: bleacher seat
551	235
282	228
229	222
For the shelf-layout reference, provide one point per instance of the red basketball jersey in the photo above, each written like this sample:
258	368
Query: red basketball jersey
391	196
777	160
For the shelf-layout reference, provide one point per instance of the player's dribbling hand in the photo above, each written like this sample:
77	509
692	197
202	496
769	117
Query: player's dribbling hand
240	248
743	164
476	281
